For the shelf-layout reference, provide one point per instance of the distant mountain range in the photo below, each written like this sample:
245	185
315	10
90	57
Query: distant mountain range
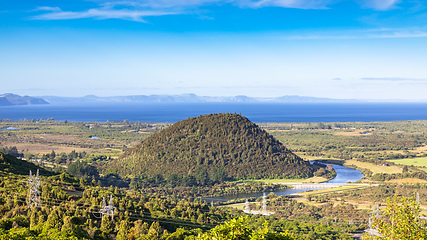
188	98
9	99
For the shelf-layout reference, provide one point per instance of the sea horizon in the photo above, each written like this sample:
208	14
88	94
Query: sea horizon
256	112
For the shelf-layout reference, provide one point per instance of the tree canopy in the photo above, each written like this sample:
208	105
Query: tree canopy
223	144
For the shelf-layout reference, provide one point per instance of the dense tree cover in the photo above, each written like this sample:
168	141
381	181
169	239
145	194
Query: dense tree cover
380	193
371	142
77	217
320	221
238	229
71	206
68	212
229	143
82	169
70	209
352	140
11	164
217	190
401	220
386	177
59	158
11	151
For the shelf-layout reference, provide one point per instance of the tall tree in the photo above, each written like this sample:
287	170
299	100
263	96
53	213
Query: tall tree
401	221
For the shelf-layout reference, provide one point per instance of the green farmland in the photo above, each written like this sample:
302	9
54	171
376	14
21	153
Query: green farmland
417	162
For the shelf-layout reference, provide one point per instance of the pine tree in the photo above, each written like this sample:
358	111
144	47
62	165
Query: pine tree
54	220
123	230
155	231
68	226
106	224
33	218
401	221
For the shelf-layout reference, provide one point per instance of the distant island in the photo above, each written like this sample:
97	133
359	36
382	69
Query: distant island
190	98
10	99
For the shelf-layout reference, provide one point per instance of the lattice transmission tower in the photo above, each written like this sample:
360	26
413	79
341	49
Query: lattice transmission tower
34	182
108	209
264	204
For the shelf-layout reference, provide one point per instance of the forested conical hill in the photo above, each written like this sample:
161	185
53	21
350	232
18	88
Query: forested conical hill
223	143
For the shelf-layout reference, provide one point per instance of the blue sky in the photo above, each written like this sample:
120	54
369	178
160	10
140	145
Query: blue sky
348	49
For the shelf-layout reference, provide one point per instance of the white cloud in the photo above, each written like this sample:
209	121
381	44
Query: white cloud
417	34
392	79
379	4
53	9
165	4
135	10
301	4
156	4
363	34
125	14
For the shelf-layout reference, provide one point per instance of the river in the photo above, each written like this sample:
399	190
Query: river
344	175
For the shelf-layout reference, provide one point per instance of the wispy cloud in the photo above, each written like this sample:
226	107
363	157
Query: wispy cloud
362	34
136	10
301	4
160	4
379	4
44	8
393	79
133	15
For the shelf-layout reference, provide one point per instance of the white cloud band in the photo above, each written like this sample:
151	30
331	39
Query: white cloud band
102	14
136	10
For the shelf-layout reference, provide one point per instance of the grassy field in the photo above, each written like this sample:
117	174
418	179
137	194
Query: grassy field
63	137
407	181
284	181
38	148
375	168
418	162
331	190
235	205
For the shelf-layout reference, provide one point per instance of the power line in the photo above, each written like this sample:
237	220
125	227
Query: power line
133	214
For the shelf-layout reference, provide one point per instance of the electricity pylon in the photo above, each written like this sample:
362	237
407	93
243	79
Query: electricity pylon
108	209
34	195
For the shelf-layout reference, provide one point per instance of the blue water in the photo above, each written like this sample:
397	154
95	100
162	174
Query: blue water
344	175
256	112
9	129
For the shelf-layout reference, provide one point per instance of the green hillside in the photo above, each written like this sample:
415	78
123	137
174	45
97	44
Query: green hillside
217	144
11	164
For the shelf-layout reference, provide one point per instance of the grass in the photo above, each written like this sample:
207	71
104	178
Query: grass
418	162
407	180
284	181
375	168
235	205
331	190
37	148
241	206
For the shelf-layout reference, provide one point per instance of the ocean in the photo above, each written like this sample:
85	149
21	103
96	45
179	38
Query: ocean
256	112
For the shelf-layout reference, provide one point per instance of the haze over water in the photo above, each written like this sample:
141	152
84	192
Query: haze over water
256	112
